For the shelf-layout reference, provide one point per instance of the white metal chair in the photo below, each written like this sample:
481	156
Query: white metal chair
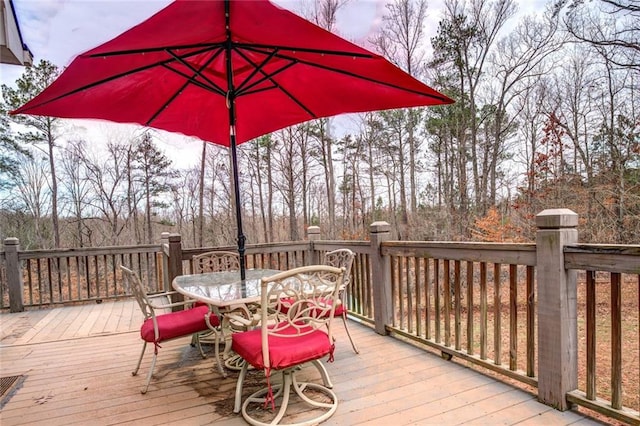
236	317
288	337
160	324
342	258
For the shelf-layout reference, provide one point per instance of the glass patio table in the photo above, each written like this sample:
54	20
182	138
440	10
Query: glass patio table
223	289
228	296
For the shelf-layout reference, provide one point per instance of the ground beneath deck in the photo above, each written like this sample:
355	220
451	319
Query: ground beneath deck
73	366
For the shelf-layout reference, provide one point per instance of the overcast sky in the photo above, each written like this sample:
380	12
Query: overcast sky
58	30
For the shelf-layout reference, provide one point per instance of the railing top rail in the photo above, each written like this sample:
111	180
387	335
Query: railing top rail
628	249
188	253
603	257
505	253
87	251
356	246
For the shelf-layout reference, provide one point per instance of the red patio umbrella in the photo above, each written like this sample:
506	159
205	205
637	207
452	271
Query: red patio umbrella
227	71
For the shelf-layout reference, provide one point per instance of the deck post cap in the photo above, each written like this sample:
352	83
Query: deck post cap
379	227
557	218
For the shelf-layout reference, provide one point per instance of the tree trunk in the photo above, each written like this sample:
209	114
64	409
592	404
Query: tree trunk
200	232
54	188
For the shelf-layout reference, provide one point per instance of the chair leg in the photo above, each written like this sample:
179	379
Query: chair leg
346	327
153	365
323	373
195	338
216	348
282	392
144	347
238	401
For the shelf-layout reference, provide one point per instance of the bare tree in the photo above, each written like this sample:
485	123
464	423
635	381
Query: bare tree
41	130
401	40
187	207
519	60
35	196
76	187
324	13
288	166
108	180
221	223
154	174
612	25
203	163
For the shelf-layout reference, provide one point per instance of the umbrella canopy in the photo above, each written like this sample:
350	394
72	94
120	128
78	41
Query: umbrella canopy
227	71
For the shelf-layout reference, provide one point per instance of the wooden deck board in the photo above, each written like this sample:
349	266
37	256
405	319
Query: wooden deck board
77	363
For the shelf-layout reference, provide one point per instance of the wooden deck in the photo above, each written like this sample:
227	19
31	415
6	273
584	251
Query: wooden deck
75	367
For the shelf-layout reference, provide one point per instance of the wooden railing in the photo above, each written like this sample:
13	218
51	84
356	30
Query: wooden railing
532	312
50	277
474	301
609	288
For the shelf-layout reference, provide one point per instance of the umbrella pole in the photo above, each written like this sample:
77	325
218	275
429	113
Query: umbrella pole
236	191
231	104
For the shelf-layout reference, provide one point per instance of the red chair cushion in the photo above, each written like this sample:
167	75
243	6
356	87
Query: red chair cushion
284	352
177	324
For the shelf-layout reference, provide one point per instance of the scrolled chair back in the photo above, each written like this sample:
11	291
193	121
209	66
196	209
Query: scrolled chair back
216	261
135	286
300	301
340	258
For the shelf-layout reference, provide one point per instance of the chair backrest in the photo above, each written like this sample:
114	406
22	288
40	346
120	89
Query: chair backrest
340	258
134	284
297	302
216	261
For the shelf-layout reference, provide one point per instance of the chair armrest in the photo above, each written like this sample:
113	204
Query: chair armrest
167	296
242	316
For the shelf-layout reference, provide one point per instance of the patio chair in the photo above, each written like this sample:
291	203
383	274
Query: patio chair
342	258
216	261
286	339
159	325
236	317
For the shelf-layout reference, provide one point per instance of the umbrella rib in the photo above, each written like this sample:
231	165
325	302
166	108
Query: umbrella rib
303	49
234	45
190	80
352	74
373	80
256	69
259	69
205	46
113	77
275	83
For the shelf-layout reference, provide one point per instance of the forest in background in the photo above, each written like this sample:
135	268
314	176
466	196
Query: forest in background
547	115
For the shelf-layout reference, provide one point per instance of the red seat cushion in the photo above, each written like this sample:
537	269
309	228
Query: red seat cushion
284	352
176	324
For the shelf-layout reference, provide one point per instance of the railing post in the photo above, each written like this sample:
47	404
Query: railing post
174	263
557	298
14	274
313	234
380	232
164	266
